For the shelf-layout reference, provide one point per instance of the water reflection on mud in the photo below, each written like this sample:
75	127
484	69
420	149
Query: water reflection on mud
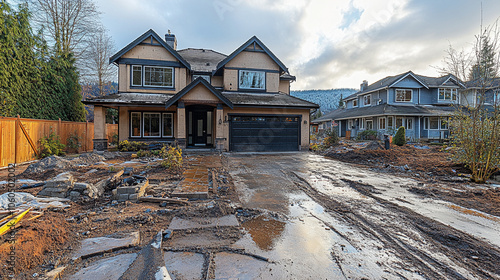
264	231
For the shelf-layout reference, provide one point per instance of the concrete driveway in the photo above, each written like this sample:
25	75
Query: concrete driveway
325	219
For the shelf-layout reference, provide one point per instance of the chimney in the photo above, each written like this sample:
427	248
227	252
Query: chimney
171	40
363	85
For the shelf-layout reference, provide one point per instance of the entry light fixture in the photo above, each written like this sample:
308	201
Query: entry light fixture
220	121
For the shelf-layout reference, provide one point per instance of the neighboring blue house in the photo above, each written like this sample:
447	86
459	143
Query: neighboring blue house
421	104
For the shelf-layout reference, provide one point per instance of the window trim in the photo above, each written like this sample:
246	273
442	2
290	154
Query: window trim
385	123
143	125
140	125
392	121
403	89
355	100
410	120
369	98
132	75
163	67
362	124
252	89
141	113
444	95
369	121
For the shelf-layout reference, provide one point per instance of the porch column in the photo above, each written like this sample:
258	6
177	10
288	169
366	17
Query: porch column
219	129
181	125
123	124
100	131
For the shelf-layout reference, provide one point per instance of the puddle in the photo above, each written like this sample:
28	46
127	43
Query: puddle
264	231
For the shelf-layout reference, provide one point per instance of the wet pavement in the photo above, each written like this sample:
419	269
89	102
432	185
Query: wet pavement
330	220
195	183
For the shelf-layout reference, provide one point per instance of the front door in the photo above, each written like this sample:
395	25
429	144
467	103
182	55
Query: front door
200	128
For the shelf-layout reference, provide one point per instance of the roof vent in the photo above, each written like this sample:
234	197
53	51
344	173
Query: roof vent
203	50
208	63
363	85
171	40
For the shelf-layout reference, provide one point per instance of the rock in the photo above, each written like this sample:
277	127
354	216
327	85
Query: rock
74	194
80	186
52	162
98	245
128	171
133	196
123	197
106	269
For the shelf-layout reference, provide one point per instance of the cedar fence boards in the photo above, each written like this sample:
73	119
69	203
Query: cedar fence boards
16	148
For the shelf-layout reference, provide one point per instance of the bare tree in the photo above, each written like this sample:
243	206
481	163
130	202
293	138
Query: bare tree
96	68
475	126
67	24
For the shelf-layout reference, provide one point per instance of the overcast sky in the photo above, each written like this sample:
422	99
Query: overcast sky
325	43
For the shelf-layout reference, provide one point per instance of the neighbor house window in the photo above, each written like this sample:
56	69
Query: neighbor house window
349	125
362	124
448	94
136	75
206	77
433	123
355	103
390	121
403	95
399	122
381	123
443	123
369	124
158	76
135	124
151	124
409	124
252	79
367	100
168	125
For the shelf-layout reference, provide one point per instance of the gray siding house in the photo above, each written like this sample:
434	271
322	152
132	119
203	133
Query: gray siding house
421	104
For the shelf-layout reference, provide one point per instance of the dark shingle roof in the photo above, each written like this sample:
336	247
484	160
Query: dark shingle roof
387	110
202	60
493	83
263	99
131	98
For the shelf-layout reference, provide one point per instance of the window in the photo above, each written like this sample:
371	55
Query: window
355	103
433	123
252	80
137	75
403	95
399	122
158	76
447	94
168	125
151	125
443	123
390	121
362	124
349	125
369	124
206	77
367	100
409	124
381	123
135	124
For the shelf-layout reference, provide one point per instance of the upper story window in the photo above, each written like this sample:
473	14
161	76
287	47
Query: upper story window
447	94
367	100
206	77
355	103
252	80
404	95
152	76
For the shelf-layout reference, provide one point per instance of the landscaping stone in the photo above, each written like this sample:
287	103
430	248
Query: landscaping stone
98	245
106	269
184	265
179	223
59	186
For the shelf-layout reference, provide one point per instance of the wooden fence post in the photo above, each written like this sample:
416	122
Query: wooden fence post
86	134
59	127
16	139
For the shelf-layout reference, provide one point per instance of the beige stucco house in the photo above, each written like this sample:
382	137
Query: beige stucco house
202	98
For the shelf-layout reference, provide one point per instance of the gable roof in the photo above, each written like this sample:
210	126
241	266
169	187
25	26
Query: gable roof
256	41
390	81
202	60
146	35
192	85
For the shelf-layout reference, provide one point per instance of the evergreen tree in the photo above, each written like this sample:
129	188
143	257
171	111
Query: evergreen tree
485	68
400	138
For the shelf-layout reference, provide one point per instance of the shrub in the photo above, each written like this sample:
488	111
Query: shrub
51	145
400	138
172	157
331	138
367	135
114	139
132	146
73	143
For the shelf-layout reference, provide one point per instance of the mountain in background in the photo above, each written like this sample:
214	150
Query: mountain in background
327	99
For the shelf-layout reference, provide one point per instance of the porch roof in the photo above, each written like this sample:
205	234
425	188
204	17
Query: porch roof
268	100
130	98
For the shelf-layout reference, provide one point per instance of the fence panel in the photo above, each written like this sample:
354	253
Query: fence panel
15	147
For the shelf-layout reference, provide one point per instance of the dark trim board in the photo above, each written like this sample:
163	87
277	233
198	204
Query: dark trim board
148	62
253	69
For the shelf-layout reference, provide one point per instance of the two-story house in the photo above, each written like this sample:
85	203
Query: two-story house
202	98
421	104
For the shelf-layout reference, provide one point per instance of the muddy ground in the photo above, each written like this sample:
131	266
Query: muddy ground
355	212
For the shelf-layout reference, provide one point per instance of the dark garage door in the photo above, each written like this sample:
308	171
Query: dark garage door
264	133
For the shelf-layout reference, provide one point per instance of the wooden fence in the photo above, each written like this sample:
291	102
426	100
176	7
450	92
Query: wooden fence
19	138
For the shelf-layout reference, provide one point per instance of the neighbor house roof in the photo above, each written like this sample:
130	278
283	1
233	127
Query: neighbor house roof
267	100
387	110
392	80
252	41
479	83
202	60
149	34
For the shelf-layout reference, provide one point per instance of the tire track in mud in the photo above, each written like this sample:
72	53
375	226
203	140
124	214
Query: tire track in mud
441	236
